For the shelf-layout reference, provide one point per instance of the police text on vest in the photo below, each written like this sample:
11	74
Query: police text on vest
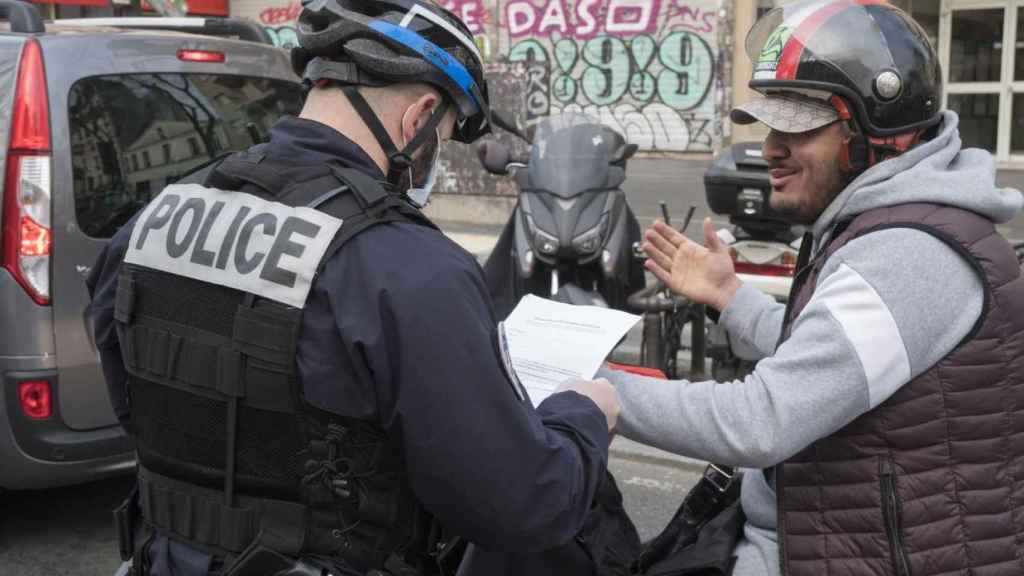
233	239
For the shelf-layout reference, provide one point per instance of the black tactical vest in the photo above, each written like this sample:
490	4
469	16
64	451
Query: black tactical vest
231	456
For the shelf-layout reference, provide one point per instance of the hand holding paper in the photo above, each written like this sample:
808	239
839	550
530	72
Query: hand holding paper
601	392
549	343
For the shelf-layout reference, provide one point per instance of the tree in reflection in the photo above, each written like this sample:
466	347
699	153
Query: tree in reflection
190	103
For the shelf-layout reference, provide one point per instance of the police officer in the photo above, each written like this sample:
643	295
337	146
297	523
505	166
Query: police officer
309	368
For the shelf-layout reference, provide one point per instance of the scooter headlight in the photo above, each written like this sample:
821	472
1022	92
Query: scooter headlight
544	243
591	240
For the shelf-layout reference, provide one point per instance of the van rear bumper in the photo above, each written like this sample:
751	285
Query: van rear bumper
46	453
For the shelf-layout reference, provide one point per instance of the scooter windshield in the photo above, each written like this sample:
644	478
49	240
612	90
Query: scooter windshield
570	155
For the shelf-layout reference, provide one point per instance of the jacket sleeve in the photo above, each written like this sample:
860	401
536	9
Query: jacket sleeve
102	286
872	325
753	321
489	466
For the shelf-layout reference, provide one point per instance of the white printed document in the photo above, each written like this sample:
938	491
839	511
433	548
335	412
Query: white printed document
549	342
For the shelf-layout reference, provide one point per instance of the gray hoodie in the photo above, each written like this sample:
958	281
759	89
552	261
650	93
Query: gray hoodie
880	316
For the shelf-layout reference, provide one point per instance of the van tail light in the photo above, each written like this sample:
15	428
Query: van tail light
27	233
200	56
782	265
35	399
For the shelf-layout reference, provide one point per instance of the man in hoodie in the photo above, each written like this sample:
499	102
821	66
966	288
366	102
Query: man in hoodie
884	421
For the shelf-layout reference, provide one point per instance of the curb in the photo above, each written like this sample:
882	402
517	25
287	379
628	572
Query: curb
470	209
635	452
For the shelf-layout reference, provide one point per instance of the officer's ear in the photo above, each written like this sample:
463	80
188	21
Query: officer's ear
418	114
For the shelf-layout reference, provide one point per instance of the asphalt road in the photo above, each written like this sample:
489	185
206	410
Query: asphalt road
70	531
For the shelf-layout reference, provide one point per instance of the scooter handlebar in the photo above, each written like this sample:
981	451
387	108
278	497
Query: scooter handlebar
494	156
653	299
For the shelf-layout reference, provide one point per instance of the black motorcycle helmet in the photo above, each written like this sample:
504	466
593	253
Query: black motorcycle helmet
382	42
870	54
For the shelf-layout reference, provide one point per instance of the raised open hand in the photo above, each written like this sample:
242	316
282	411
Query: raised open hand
703	274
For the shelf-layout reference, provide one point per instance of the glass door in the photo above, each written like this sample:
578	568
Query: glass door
972	36
1015	125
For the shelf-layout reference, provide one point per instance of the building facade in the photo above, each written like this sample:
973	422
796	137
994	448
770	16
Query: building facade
645	67
664	73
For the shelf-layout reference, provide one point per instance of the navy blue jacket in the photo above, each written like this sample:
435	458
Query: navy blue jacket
407	310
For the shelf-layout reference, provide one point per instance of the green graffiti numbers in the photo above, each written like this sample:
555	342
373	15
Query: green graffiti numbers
643	49
689	67
642	85
528	51
606	79
538	73
678	70
566	54
563	86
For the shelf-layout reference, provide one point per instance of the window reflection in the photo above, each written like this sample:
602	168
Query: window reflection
132	135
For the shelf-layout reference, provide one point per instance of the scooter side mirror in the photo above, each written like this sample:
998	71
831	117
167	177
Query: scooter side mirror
494	156
625	153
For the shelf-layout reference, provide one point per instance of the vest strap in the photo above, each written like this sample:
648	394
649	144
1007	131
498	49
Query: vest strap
124	300
160	353
199	515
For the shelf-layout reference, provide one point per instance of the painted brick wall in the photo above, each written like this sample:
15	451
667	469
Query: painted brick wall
647	68
644	67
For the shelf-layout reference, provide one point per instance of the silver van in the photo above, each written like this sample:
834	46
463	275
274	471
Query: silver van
96	117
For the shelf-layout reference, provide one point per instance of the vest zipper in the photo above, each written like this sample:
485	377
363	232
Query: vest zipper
780	519
891	516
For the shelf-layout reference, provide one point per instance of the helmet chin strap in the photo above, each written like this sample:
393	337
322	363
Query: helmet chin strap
398	160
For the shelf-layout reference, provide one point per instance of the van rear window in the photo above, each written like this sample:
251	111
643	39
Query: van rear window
131	135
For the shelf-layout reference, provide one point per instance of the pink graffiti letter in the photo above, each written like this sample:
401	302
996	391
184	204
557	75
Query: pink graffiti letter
632	16
554	18
521	17
586	19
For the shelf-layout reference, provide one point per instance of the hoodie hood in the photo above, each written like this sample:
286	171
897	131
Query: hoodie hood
937	171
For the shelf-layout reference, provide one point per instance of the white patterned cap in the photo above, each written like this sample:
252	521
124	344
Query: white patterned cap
788	112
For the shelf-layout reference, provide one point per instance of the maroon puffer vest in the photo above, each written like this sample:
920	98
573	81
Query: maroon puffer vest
931	481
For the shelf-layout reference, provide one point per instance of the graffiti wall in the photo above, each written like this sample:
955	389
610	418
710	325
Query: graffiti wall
278	17
644	67
648	68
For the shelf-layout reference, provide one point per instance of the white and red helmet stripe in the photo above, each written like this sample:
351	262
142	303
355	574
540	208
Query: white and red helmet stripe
804	23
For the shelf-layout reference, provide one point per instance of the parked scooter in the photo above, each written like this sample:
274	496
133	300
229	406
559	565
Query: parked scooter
763	246
571	234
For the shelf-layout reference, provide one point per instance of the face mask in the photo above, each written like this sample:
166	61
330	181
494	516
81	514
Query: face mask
423	173
421	176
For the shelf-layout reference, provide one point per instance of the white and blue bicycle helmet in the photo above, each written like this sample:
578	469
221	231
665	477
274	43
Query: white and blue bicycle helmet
382	42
